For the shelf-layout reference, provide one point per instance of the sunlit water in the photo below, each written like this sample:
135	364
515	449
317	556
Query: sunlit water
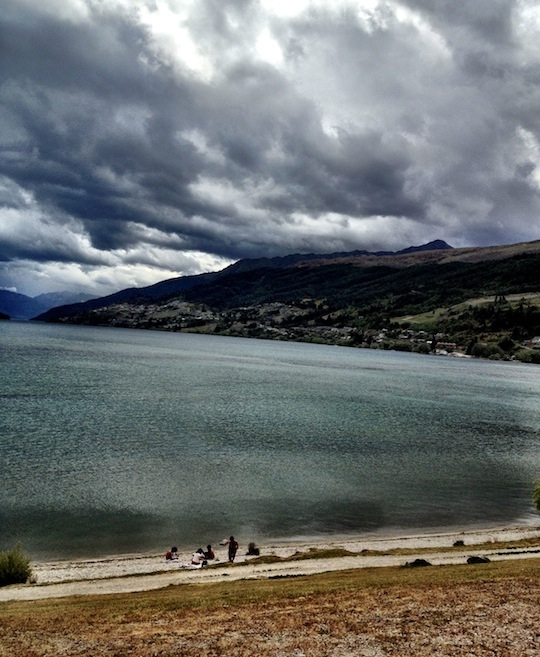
115	441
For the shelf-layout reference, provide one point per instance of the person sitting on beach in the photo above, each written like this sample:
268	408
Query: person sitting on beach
198	559
172	554
209	554
233	547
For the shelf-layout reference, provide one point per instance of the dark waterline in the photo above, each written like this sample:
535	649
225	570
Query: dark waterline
116	441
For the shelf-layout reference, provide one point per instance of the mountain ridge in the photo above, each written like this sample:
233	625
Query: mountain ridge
460	296
435	252
181	284
44	306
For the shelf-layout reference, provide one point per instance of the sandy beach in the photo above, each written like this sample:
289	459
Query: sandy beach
128	573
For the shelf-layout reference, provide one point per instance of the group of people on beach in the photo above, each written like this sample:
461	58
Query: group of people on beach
201	557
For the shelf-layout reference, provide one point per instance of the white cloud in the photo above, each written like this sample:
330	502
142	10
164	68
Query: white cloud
171	38
531	153
527	30
286	8
268	48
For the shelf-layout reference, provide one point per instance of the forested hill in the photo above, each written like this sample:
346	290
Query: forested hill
179	286
345	298
384	289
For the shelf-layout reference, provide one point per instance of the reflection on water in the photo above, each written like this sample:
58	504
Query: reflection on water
123	441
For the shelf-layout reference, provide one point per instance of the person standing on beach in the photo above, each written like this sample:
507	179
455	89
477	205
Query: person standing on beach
233	547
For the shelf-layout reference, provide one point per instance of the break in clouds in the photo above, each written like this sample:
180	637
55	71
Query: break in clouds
145	139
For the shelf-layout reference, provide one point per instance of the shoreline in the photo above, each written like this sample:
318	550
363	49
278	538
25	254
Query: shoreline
137	572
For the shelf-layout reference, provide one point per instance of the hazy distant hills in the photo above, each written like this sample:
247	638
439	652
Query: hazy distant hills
20	306
52	299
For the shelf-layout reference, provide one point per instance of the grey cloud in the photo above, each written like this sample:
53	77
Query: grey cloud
487	21
102	127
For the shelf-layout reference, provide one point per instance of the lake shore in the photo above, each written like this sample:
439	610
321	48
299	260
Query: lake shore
129	573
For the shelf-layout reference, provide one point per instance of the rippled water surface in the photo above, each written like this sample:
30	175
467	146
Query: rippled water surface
118	440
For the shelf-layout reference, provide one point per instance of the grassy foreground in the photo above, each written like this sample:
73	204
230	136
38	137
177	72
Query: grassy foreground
487	609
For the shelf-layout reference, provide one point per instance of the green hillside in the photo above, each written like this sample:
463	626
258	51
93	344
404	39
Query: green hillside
485	308
382	288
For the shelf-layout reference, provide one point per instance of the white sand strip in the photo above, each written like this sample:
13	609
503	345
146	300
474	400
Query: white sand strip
138	573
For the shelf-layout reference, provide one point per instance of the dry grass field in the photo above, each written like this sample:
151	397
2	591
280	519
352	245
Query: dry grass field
490	609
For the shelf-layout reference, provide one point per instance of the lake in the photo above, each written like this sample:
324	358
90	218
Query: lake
123	441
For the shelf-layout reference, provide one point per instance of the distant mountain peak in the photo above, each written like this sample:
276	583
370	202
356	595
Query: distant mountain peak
435	245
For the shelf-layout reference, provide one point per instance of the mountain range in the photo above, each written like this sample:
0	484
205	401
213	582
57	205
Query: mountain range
20	306
462	295
348	276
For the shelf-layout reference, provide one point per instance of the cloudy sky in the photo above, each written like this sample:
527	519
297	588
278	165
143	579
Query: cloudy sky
146	139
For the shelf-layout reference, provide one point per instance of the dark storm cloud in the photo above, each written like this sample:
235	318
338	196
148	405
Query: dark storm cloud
130	135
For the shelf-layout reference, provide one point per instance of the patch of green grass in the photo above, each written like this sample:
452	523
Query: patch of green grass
490	545
331	553
433	317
